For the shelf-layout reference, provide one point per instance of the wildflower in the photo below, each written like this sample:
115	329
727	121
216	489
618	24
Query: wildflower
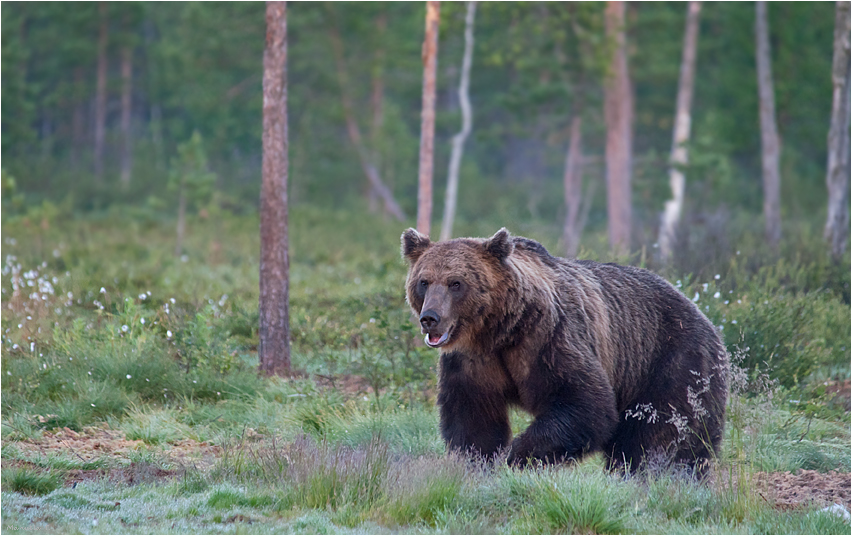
168	334
103	290
143	321
678	284
733	321
695	298
716	276
143	296
704	286
124	328
93	405
129	376
717	294
172	300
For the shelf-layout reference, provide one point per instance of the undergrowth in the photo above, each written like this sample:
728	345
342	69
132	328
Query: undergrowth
104	327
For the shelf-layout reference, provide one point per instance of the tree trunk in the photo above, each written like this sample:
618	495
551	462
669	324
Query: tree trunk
683	121
181	217
274	348
126	106
100	95
771	151
573	182
78	119
618	112
838	170
377	98
459	139
427	118
390	205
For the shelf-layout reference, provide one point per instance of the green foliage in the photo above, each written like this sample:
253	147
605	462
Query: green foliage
790	334
30	482
325	451
581	501
189	173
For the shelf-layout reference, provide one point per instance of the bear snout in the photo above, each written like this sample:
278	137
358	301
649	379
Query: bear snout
429	319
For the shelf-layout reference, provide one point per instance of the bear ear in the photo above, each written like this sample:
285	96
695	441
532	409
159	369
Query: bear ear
500	245
413	245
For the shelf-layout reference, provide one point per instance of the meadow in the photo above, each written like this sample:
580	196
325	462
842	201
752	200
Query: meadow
131	401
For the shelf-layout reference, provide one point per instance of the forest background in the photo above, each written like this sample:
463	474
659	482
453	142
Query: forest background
131	161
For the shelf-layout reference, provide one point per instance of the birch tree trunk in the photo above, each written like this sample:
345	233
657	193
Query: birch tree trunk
377	99
683	121
100	93
771	151
427	120
376	184
618	113
467	122
126	107
838	170
274	348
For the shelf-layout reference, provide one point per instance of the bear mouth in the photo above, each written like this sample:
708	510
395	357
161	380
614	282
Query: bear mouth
436	341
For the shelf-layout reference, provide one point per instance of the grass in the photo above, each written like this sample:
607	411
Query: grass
350	444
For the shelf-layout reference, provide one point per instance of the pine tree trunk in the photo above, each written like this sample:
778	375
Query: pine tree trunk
451	196
126	108
838	170
78	119
427	118
618	112
573	183
376	184
100	95
274	348
771	150
683	121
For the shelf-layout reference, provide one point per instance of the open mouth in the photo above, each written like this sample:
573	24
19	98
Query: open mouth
436	341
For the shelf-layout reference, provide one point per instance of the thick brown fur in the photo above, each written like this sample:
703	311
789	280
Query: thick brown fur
605	357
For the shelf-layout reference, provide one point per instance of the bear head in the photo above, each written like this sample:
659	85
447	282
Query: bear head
452	286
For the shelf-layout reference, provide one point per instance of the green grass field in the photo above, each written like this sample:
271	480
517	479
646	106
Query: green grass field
110	339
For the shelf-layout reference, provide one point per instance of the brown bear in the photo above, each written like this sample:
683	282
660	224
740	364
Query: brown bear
605	357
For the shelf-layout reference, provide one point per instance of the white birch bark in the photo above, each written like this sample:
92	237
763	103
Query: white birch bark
683	122
838	171
451	196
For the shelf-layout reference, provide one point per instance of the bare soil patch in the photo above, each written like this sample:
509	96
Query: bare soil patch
786	490
95	444
790	490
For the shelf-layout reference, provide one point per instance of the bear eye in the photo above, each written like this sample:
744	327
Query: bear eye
455	285
424	283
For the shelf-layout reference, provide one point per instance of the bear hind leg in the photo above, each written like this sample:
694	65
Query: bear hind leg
648	441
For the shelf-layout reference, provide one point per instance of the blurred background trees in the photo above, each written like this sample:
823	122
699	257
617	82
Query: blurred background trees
97	98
